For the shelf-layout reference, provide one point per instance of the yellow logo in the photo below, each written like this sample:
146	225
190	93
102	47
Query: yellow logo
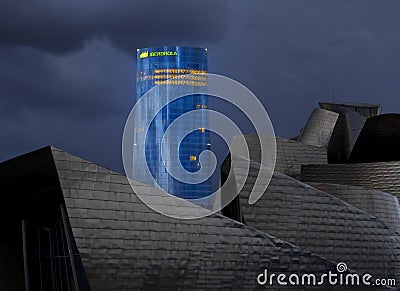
161	54
144	55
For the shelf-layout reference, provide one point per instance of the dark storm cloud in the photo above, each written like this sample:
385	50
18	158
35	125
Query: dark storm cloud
293	54
81	84
77	102
62	26
67	68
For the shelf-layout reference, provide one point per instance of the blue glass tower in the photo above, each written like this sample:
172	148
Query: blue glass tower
155	66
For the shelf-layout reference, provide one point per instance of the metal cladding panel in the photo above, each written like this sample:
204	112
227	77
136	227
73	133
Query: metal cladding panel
124	245
290	154
377	203
355	123
379	141
319	128
320	223
364	109
339	146
383	176
345	134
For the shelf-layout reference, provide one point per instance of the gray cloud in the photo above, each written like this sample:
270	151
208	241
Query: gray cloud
63	26
77	102
294	53
84	84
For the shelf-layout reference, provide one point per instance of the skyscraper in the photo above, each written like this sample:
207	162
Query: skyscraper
155	66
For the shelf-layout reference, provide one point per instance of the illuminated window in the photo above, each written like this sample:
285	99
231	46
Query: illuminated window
193	158
202	129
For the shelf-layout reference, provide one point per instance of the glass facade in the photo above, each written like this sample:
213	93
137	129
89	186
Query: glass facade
155	66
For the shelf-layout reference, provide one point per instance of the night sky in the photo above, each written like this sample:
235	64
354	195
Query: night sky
67	68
